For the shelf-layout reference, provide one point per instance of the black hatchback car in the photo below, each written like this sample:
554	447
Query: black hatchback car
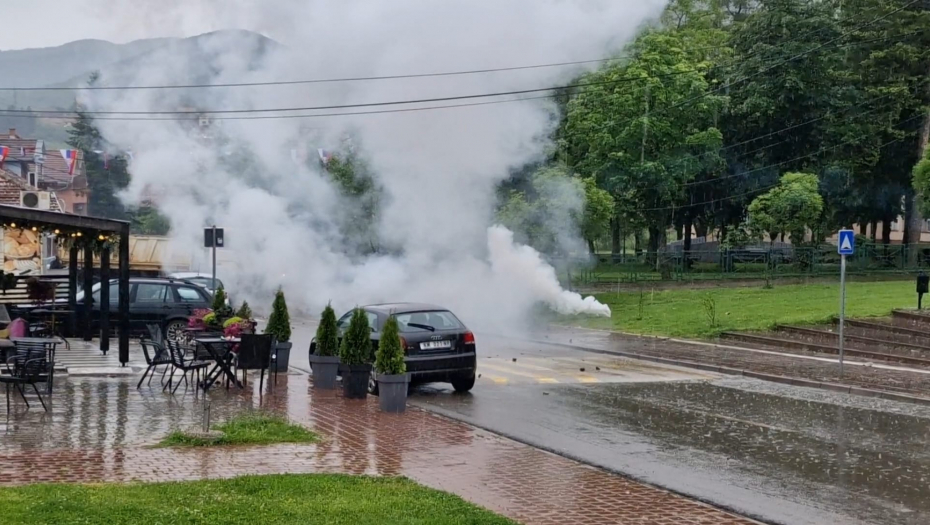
439	347
168	302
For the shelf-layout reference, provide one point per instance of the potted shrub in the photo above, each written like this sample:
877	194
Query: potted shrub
391	378
324	349
355	354
196	320
279	325
222	311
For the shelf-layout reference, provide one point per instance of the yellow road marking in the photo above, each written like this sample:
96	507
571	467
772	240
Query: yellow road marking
497	379
517	373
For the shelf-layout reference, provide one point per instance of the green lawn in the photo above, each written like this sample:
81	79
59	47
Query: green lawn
247	429
324	499
682	312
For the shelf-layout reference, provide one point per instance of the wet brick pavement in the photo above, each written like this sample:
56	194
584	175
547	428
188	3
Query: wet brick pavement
905	382
101	429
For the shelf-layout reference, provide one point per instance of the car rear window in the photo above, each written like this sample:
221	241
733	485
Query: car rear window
189	295
438	320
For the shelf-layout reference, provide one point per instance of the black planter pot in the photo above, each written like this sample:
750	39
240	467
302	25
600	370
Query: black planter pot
281	357
325	369
355	380
392	392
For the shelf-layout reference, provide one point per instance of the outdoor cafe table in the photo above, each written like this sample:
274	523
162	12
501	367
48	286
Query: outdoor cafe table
220	349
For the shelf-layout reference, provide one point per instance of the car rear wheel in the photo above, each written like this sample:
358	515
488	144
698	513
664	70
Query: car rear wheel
372	384
464	382
175	331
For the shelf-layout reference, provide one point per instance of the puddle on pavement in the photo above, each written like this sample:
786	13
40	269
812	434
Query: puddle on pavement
879	454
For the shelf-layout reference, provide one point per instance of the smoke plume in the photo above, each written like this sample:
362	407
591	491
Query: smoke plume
436	169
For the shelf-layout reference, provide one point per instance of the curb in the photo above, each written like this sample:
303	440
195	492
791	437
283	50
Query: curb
442	412
793	381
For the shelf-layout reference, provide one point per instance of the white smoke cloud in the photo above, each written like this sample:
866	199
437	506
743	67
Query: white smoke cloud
438	168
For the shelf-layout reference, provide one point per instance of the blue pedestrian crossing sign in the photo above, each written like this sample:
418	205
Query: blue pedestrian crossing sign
846	244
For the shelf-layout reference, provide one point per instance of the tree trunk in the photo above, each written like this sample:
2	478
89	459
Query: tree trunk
863	228
874	232
679	230
686	246
592	249
700	230
653	246
638	242
615	239
886	230
912	218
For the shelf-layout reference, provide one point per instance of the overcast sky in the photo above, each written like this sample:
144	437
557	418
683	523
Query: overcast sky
42	23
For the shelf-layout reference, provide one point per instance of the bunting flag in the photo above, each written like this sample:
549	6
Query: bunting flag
4	152
325	156
105	156
71	157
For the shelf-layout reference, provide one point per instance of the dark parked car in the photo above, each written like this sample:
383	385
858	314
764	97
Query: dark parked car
168	302
439	347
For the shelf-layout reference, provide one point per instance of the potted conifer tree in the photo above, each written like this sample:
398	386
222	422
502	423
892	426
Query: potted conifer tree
324	350
279	325
355	354
391	379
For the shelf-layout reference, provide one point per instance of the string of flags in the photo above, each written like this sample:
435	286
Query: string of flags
71	158
4	152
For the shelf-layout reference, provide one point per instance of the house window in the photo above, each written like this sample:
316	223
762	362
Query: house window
33	179
80	208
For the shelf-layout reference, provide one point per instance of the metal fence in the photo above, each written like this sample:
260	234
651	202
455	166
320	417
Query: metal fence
753	263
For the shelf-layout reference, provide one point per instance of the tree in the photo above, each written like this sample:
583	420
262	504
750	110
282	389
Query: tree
389	359
643	141
147	220
279	323
356	342
353	177
548	208
792	208
922	182
327	334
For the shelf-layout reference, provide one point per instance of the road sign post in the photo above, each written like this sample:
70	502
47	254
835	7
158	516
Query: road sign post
213	238
846	245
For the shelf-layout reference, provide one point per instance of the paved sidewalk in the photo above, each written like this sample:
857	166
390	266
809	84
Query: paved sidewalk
100	428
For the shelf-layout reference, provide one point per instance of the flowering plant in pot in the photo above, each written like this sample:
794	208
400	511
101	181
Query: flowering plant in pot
355	354
324	349
391	379
196	320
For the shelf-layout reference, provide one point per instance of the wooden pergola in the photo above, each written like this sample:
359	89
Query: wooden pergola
89	228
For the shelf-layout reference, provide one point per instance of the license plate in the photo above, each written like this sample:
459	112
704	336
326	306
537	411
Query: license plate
433	345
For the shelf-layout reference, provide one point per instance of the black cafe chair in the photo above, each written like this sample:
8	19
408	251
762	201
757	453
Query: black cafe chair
255	354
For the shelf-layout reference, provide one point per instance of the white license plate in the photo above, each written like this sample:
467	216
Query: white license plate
433	345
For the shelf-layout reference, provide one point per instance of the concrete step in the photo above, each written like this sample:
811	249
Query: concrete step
851	340
915	319
787	343
886	331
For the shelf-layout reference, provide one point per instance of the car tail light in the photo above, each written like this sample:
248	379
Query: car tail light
469	338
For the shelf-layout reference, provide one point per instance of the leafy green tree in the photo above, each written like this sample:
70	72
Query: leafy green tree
354	179
922	182
219	299
598	210
147	220
327	334
792	208
389	359
356	342
279	323
644	140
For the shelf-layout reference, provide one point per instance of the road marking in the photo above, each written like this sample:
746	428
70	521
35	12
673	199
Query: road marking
588	379
505	370
496	379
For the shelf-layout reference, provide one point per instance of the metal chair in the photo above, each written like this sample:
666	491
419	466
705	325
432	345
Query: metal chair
32	364
155	355
180	362
255	354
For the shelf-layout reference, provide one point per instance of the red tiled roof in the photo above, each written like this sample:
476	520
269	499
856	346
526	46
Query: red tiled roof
11	186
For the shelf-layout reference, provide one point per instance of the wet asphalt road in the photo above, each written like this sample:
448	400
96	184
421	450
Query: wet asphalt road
780	454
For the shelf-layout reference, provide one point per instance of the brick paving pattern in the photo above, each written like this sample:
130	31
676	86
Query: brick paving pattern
825	372
101	430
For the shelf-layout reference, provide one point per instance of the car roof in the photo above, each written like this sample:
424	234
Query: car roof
188	275
154	280
403	308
